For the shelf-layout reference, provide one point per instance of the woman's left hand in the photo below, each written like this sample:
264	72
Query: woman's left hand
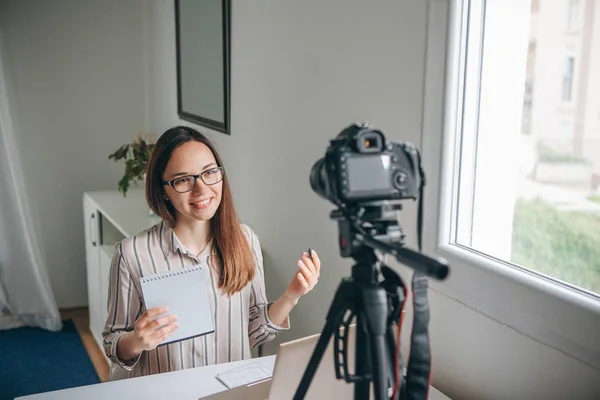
307	276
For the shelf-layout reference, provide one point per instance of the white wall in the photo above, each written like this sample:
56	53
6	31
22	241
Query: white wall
76	71
592	113
553	119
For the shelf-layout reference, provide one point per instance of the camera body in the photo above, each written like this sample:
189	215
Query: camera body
361	166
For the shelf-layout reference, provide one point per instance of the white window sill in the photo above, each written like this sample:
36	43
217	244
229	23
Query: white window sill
562	318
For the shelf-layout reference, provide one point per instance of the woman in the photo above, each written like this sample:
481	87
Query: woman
187	187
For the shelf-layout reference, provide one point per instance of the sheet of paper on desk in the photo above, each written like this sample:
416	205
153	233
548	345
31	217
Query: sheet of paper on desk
246	375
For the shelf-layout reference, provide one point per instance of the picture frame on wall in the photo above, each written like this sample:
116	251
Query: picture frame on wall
203	62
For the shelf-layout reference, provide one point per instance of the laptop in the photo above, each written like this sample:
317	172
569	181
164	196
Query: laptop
291	361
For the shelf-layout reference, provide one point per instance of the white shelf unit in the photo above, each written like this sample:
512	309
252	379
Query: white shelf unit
108	218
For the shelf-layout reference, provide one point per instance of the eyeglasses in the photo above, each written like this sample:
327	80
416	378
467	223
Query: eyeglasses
187	183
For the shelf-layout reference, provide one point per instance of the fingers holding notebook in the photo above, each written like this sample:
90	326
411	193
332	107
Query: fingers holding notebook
150	331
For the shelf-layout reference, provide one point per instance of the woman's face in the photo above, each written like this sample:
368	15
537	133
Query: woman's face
201	203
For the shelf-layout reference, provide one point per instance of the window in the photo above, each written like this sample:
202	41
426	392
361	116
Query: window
507	262
524	197
573	14
568	79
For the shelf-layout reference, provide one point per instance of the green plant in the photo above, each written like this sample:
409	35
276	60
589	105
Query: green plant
551	156
595	198
136	155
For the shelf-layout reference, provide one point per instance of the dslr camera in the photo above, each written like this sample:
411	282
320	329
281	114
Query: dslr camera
362	166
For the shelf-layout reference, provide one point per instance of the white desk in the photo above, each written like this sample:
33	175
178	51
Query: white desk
188	384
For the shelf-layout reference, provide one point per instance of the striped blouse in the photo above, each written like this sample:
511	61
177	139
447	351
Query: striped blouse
241	320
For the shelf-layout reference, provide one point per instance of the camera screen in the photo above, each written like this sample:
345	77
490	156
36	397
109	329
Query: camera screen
368	173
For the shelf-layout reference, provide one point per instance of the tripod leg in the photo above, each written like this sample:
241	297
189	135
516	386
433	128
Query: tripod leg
375	308
341	303
380	370
363	360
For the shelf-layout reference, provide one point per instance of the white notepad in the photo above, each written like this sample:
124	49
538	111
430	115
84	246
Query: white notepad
245	375
185	294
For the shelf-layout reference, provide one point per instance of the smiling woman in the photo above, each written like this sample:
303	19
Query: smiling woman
187	187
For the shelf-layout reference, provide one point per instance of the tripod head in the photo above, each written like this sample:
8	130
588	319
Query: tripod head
375	225
376	219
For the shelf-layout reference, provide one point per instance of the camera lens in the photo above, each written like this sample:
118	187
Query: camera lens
318	179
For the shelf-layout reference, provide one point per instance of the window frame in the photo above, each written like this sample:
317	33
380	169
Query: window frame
568	57
573	15
563	319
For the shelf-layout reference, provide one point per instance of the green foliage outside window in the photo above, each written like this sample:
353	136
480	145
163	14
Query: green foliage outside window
547	155
594	198
564	245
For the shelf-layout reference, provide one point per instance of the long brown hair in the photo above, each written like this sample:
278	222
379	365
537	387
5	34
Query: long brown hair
233	249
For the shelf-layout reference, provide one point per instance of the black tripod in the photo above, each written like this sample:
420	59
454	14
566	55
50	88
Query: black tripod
363	297
377	307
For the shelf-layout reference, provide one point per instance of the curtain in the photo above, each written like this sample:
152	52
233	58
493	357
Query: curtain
26	298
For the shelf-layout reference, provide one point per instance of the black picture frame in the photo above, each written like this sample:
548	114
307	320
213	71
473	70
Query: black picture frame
187	115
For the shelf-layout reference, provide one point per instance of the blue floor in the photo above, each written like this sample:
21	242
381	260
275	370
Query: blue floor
34	360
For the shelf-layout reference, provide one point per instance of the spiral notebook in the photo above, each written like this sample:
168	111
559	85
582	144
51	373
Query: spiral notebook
185	294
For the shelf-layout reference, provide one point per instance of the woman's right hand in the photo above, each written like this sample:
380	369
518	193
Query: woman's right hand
146	334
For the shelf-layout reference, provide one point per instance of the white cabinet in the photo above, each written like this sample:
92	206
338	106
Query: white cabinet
92	252
108	218
106	254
